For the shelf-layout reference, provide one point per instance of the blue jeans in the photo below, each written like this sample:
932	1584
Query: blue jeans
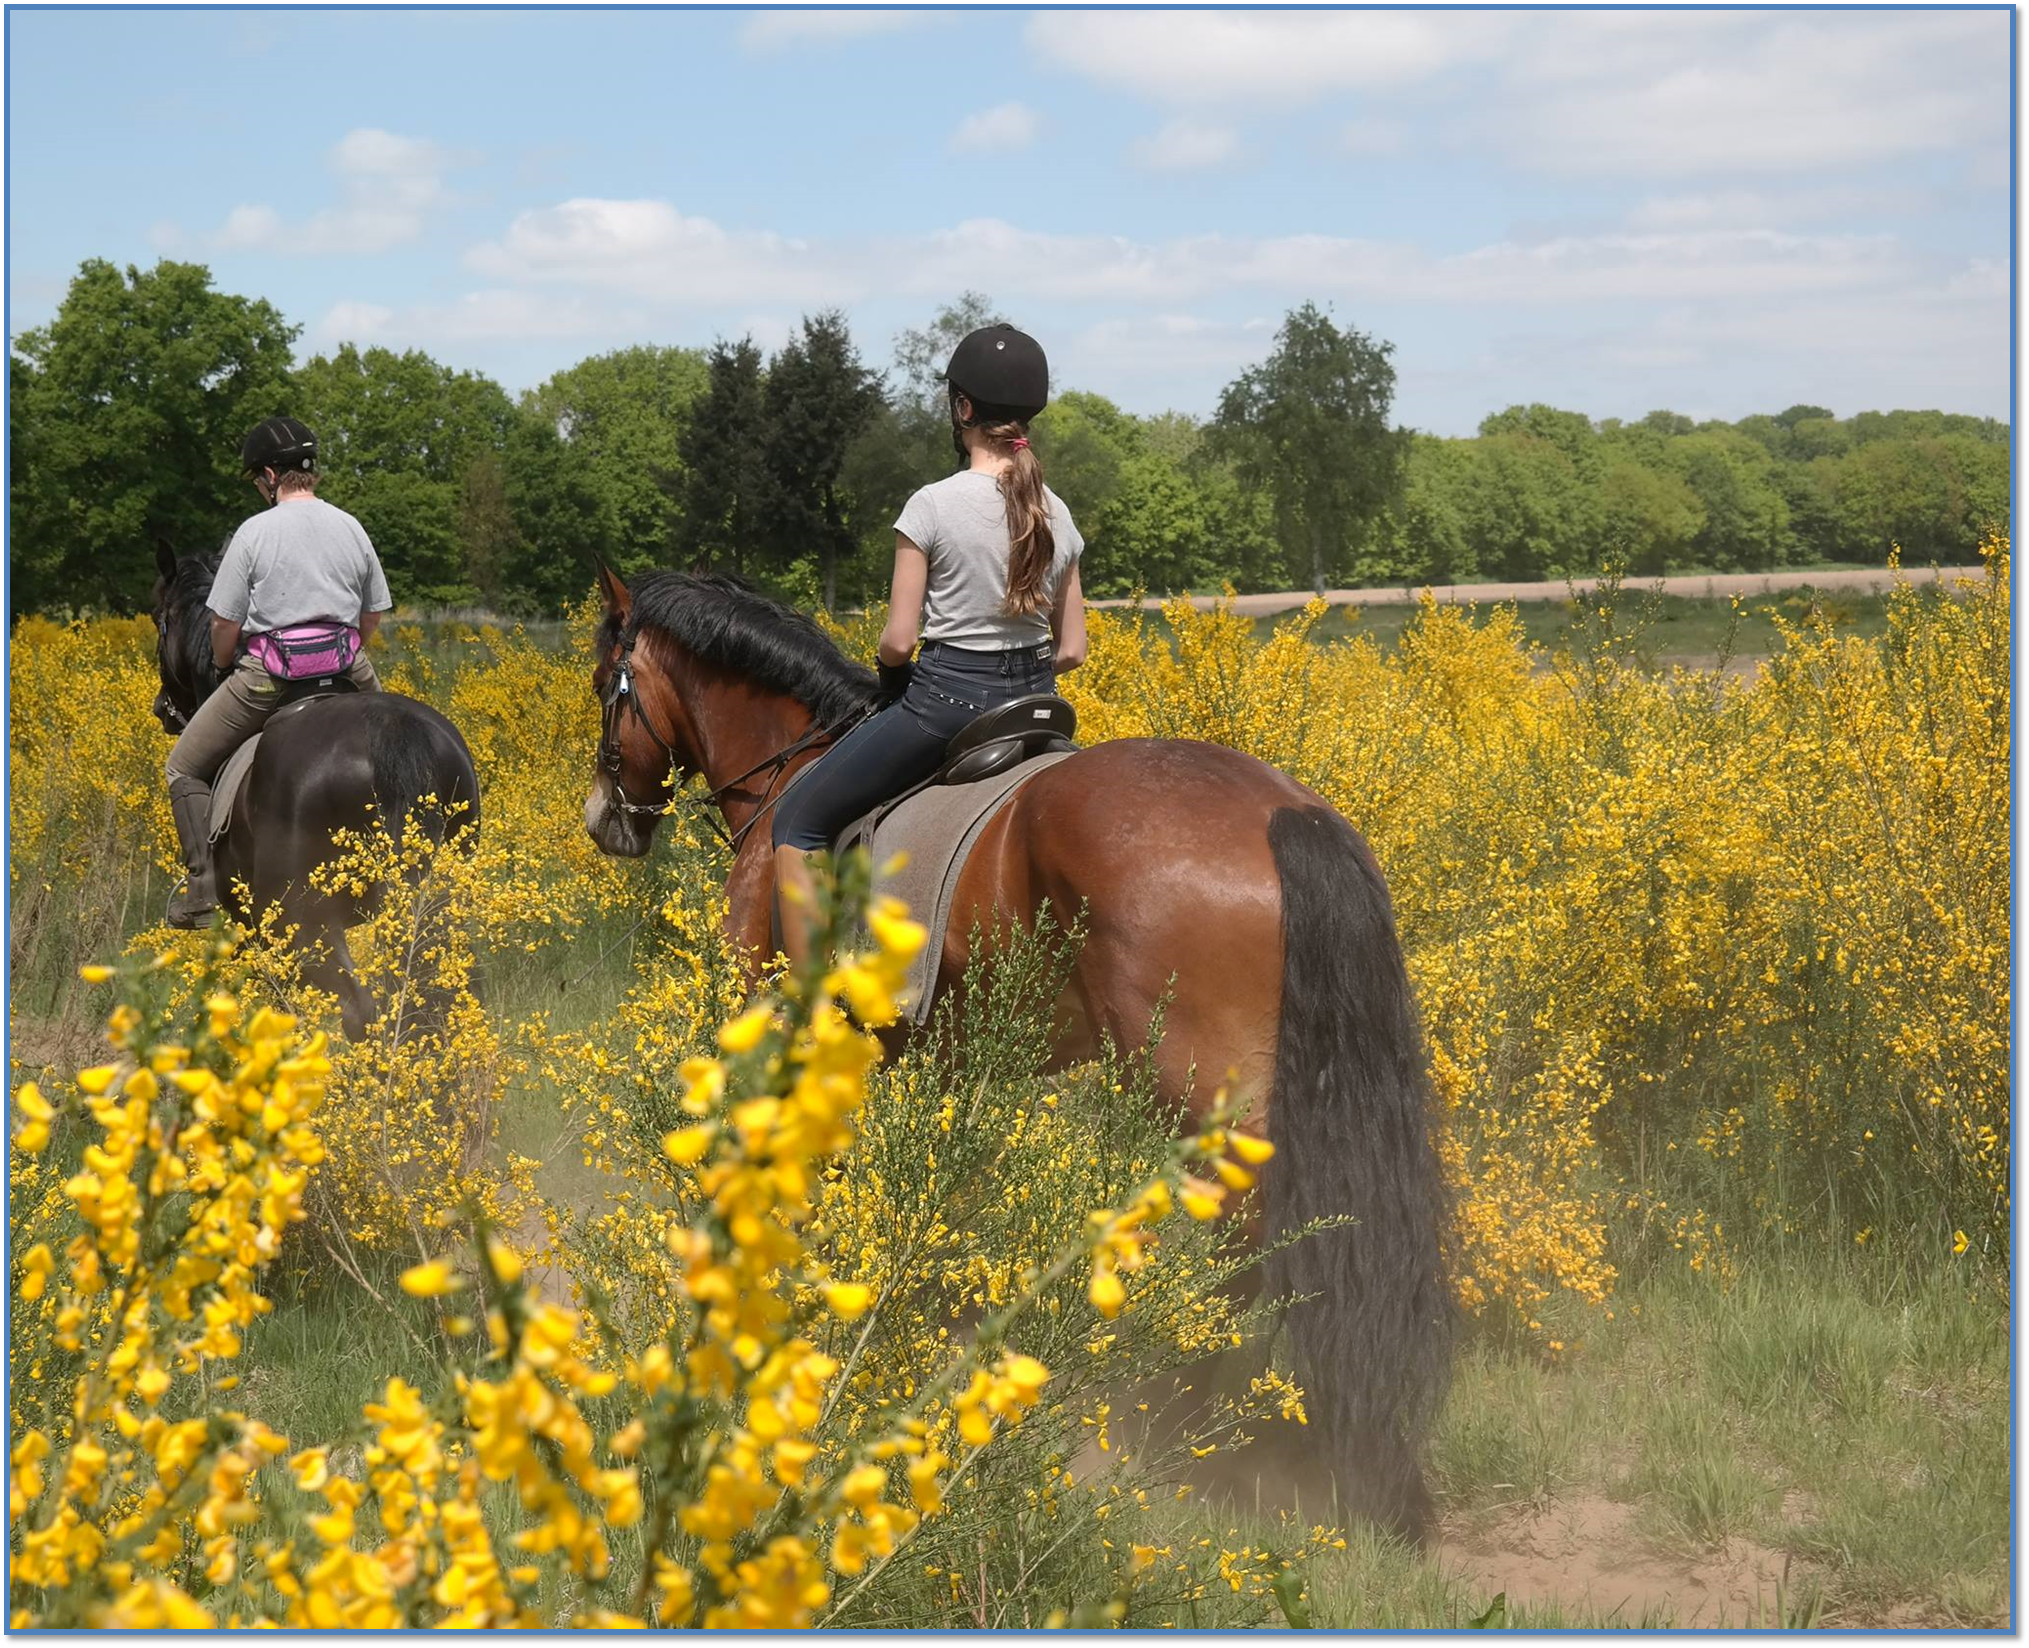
903	744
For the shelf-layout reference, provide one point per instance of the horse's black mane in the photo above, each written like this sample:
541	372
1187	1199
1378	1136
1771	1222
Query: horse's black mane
726	621
187	633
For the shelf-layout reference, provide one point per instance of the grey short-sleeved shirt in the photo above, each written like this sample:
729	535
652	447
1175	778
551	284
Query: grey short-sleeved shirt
298	562
960	523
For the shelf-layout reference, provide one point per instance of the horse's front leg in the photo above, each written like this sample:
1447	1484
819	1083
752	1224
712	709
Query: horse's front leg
750	908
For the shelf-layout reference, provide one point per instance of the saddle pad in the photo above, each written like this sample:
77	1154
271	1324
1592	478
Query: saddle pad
232	778
936	827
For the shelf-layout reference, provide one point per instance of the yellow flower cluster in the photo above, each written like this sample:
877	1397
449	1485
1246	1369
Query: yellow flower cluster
737	1504
1121	1239
1676	936
205	1142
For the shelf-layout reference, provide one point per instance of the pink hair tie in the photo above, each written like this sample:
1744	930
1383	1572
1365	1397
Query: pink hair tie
1019	442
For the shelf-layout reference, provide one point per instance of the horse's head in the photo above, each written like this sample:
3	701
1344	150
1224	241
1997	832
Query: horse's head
182	635
644	735
699	672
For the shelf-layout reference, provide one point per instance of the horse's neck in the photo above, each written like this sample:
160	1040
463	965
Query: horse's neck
739	728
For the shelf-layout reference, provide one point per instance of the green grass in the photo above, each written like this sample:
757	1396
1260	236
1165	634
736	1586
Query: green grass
1845	1424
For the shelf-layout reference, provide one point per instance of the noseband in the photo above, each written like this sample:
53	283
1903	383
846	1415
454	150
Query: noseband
623	697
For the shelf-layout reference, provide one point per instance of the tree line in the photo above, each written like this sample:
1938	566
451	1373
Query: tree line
126	411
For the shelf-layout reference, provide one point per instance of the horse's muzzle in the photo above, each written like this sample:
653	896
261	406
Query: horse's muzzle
615	830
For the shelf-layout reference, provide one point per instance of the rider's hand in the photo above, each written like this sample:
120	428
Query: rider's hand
894	681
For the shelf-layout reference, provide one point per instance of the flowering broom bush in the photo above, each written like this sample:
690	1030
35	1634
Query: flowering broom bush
1702	962
547	1466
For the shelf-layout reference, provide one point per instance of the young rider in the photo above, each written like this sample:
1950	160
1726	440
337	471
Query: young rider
986	562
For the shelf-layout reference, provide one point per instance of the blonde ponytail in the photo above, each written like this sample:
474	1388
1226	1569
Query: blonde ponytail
1031	544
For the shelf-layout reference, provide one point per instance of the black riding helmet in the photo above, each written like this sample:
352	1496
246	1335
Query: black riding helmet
1002	372
280	444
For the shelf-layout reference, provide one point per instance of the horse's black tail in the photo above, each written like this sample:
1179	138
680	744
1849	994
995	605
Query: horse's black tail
423	781
417	758
1353	1129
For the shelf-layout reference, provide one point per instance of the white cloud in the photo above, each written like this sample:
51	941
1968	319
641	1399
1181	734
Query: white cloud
1008	127
482	316
775	30
1186	146
388	186
651	250
1776	208
1373	135
1929	342
1623	93
348	321
1982	278
1225	57
1672	95
649	247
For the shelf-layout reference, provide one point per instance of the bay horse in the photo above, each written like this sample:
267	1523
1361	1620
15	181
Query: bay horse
1210	882
342	762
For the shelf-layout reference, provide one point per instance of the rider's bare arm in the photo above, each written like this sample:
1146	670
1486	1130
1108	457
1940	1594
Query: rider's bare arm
1067	622
368	623
225	641
905	602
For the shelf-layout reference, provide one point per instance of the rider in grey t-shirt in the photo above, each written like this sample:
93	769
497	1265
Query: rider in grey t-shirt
960	523
986	562
298	562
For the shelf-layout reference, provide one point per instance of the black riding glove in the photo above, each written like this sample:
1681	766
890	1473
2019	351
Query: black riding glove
895	680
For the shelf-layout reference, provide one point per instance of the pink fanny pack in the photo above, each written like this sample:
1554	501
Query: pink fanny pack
306	650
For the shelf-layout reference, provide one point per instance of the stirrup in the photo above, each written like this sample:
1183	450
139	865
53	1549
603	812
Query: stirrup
191	908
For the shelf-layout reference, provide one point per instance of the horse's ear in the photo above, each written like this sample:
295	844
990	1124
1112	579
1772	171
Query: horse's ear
165	559
619	598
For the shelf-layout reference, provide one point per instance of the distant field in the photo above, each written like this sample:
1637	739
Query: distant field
1680	629
1676	629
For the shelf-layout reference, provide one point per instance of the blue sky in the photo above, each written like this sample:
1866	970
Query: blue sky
1719	212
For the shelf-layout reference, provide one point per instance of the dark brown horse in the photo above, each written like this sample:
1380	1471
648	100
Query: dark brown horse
342	762
1207	878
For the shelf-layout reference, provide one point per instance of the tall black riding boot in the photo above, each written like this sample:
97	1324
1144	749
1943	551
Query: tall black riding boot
196	901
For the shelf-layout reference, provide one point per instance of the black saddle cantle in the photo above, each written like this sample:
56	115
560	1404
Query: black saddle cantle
313	686
1007	735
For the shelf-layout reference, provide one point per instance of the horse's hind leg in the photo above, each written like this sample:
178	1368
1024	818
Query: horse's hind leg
355	1002
325	962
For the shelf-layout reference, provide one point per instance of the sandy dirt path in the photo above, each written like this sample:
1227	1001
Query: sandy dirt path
1697	586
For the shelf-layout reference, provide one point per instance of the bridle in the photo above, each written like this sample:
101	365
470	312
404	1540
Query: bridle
167	706
622	696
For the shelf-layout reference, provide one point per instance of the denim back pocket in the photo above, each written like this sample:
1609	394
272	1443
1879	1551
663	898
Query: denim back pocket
944	701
